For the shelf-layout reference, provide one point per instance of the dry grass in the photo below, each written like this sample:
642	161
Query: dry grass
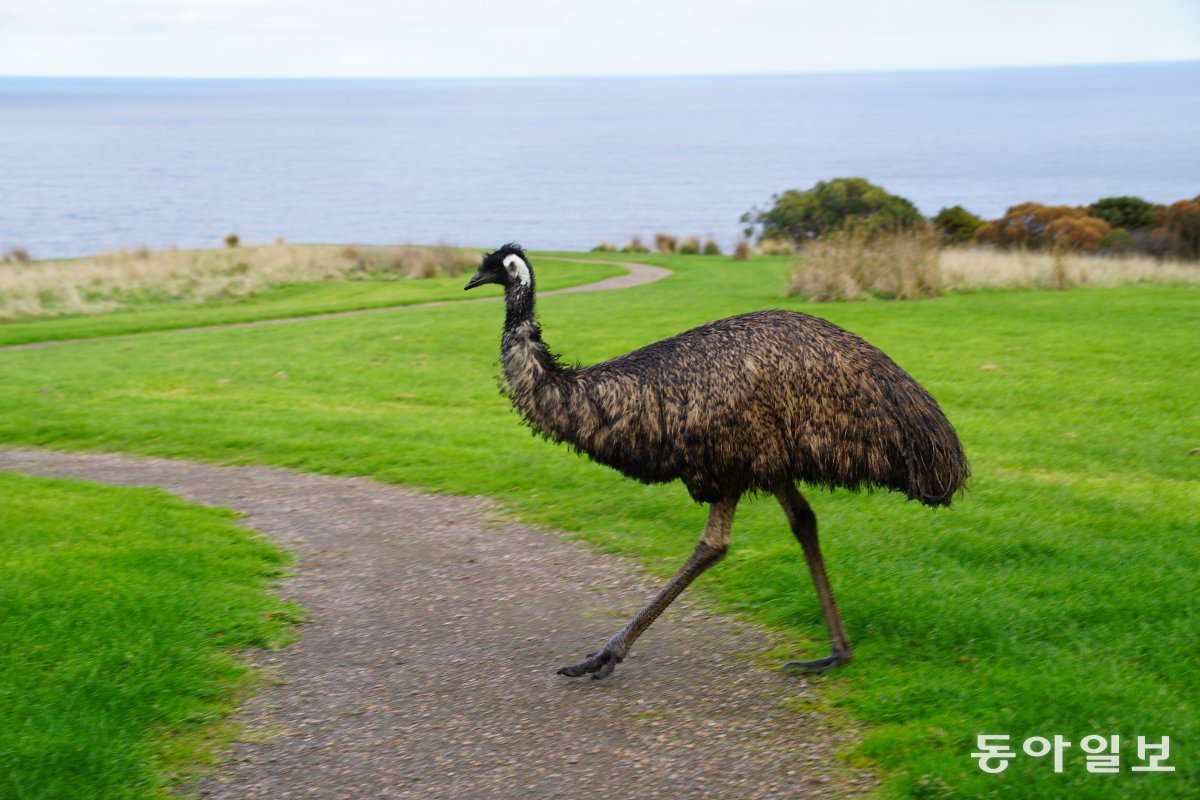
846	266
665	243
843	266
775	247
984	268
127	278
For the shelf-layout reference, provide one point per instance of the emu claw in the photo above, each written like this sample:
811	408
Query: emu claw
600	665
820	665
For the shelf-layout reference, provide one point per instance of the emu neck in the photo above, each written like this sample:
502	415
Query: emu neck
528	364
518	306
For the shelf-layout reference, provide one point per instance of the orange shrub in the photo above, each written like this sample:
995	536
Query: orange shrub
1077	234
1034	226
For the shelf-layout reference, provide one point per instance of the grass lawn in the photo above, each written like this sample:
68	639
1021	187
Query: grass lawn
118	611
296	300
1056	598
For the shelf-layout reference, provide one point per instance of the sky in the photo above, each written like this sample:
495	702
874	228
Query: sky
459	38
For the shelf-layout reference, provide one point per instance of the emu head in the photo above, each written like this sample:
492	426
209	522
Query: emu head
507	266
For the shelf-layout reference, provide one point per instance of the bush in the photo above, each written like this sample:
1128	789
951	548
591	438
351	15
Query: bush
231	240
1181	221
776	247
690	246
1036	226
1077	234
16	255
957	224
798	216
742	251
1116	240
635	246
665	243
711	248
454	262
1130	213
846	265
1157	243
605	247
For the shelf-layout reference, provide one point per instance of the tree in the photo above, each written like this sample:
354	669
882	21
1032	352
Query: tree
1130	213
829	206
957	224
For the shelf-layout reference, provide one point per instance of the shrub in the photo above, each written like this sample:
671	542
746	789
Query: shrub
453	261
417	263
711	248
798	216
1158	242
741	252
690	246
635	245
1077	234
1036	226
957	224
231	240
776	247
1130	213
665	243
16	255
1181	221
1116	240
846	265
605	247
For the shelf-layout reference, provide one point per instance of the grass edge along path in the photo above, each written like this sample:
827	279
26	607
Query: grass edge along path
121	613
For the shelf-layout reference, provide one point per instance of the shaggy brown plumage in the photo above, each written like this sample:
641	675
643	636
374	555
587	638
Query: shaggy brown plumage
752	403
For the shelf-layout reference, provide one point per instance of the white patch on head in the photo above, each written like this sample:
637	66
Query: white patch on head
517	268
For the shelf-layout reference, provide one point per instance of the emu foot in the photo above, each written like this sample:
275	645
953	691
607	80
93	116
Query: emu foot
820	665
600	664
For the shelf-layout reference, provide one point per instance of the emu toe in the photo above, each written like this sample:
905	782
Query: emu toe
600	665
820	665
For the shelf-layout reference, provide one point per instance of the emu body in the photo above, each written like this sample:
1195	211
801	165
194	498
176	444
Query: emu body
751	403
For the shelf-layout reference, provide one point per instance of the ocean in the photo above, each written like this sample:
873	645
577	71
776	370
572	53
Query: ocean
99	164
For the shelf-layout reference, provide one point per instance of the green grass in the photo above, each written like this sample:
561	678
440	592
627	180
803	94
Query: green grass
1057	597
119	609
296	300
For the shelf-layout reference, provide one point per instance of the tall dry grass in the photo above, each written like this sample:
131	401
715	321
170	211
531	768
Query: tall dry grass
125	279
845	265
848	266
969	268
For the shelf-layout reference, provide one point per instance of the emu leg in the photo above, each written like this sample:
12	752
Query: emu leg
804	525
709	550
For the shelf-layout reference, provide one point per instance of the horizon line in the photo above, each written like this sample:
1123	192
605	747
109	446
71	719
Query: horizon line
610	76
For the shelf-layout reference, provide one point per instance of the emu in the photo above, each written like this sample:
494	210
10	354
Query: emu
752	403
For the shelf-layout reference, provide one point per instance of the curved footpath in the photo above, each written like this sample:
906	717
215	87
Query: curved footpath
427	670
638	275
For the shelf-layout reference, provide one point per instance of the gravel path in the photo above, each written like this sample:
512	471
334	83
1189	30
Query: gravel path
428	668
638	275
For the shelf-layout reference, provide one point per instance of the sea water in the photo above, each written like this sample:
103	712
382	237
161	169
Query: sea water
98	164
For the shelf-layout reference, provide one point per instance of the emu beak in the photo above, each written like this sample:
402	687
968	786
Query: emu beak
476	280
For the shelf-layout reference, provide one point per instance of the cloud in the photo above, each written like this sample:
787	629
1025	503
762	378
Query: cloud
552	37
